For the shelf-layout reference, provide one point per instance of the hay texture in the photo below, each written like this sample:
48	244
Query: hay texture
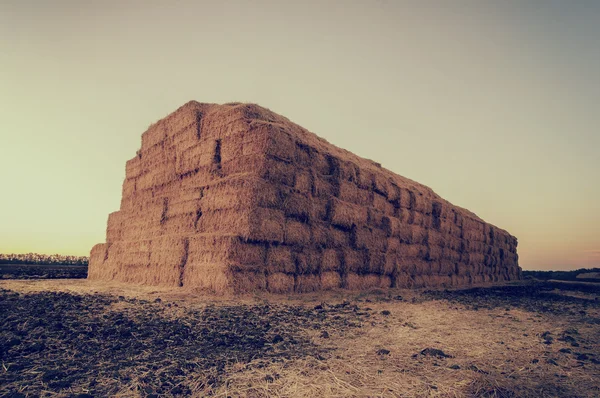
234	198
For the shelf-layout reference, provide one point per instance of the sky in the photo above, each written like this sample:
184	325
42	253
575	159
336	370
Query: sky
495	105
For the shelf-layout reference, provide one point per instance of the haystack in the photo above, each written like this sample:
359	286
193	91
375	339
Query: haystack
234	198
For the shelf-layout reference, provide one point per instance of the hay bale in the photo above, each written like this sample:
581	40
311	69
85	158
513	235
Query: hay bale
308	261
354	261
351	193
330	280
345	215
325	186
280	282
304	182
277	171
369	239
381	203
280	259
365	178
297	233
307	283
297	206
375	218
376	262
391	264
362	281
406	198
338	238
266	225
319	235
332	260
404	281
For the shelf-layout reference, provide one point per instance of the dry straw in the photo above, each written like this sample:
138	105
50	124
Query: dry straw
234	198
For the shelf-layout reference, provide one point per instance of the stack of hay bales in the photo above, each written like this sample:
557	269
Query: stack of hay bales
234	198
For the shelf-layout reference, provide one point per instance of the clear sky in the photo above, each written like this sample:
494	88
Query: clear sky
494	105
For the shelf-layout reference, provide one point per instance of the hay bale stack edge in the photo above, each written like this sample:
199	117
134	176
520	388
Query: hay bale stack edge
234	198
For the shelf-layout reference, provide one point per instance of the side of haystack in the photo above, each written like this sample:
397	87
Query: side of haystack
236	198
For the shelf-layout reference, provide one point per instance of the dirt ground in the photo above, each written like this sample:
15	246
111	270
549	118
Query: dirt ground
71	337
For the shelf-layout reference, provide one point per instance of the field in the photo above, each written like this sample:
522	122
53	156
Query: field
36	271
73	338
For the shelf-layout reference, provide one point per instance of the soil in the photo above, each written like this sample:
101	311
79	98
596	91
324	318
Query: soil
98	344
76	338
36	271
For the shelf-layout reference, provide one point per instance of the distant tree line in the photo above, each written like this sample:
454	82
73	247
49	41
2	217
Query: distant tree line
42	259
561	275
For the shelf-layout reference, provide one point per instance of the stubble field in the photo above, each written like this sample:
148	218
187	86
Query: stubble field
76	338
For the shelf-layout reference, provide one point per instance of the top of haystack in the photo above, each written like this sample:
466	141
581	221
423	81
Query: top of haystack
254	113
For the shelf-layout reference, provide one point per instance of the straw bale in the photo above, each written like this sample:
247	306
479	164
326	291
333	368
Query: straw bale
319	210
302	155
133	167
331	260
266	225
363	281
393	245
376	262
297	206
405	265
412	250
240	192
323	164
381	203
206	275
277	171
128	187
422	203
307	283
114	226
417	218
419	234
279	282
405	233
447	267
421	267
391	263
194	158
247	282
346	215
153	136
185	138
369	238
338	238
354	261
365	179
404	281
450	254
280	259
297	233
348	171
435	238
350	192
98	255
319	234
380	185
245	256
181	224
308	261
325	186
304	181
406	198
375	218
181	208
331	280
